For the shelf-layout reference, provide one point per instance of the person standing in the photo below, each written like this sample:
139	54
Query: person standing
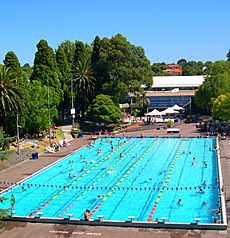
12	202
87	215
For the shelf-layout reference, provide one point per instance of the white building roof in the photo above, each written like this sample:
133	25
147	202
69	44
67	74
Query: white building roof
177	81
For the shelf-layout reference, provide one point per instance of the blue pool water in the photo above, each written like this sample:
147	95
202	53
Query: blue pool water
141	177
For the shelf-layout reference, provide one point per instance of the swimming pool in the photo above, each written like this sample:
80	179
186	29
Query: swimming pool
146	178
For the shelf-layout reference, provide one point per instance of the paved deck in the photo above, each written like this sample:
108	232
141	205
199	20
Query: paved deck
28	230
26	168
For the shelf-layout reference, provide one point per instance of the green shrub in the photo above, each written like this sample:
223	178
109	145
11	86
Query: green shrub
169	123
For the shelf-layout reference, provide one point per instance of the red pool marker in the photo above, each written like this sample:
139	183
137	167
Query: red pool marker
95	209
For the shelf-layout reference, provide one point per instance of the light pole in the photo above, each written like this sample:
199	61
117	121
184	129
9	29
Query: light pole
72	110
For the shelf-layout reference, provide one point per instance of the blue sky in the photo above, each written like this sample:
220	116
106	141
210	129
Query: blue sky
168	30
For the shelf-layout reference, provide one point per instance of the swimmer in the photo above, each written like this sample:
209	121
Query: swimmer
120	154
100	196
82	169
161	182
204	183
148	180
190	152
200	190
111	171
194	158
92	161
216	180
179	203
204	203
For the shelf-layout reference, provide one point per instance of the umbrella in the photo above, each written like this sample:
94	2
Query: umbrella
169	110
155	112
176	107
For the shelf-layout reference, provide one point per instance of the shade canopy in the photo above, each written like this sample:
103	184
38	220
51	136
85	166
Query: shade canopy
177	108
169	110
155	112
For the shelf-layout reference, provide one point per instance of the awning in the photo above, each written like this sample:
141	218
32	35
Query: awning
177	108
155	112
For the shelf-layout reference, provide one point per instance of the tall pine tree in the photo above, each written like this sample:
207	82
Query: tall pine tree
46	72
11	61
45	66
79	52
65	79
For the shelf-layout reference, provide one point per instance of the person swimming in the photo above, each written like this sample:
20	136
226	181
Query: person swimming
204	203
148	180
179	203
111	171
100	196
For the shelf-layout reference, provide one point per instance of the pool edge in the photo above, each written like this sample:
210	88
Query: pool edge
170	225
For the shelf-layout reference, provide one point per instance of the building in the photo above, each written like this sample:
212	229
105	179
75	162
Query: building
173	69
170	90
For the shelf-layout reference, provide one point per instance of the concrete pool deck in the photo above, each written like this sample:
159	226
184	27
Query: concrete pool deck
25	229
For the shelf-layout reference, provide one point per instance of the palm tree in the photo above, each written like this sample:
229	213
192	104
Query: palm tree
11	96
84	83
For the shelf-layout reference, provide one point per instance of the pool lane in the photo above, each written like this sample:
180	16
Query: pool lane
165	183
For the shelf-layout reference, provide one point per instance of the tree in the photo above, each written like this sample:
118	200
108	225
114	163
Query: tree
45	66
69	49
35	117
46	70
120	64
65	75
158	68
27	70
62	63
216	82
220	107
182	61
4	140
193	68
103	110
11	61
11	95
95	57
84	83
79	52
228	55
